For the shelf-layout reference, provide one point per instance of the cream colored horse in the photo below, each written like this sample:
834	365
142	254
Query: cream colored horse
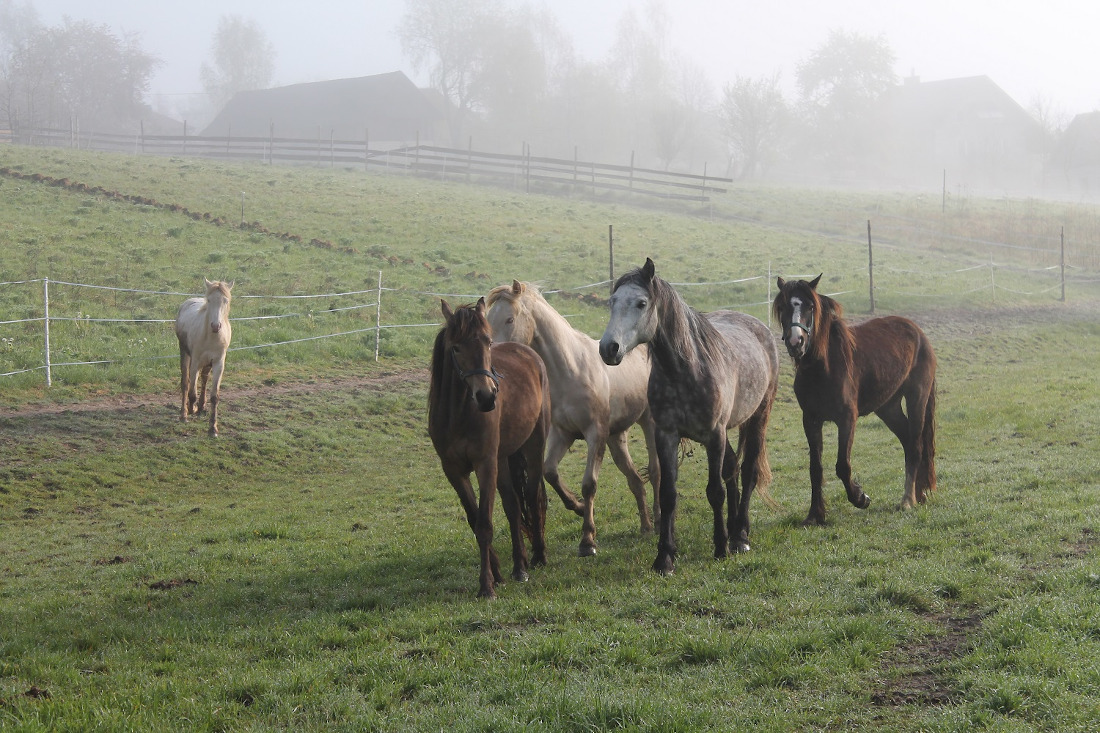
203	330
588	399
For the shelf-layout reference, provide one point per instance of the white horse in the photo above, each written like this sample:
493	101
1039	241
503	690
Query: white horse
588	399
203	330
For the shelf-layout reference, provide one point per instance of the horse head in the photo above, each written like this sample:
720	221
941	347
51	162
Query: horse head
509	315
798	309
468	340
634	314
218	297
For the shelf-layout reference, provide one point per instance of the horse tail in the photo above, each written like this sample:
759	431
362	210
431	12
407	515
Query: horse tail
928	439
756	429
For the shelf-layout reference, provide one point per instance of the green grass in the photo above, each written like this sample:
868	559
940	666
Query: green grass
311	569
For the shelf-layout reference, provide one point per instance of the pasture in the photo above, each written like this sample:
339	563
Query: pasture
311	569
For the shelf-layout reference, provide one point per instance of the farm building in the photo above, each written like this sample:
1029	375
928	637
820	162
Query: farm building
388	107
1075	164
969	128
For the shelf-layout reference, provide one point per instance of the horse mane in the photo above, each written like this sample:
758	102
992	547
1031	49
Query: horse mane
832	326
688	333
221	287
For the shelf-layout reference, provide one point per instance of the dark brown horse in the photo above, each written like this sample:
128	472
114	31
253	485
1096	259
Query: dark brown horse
489	413
843	372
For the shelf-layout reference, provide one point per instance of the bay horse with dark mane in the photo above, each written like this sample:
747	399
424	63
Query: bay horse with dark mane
843	372
489	414
710	373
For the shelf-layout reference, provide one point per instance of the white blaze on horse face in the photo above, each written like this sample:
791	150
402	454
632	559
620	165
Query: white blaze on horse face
795	333
631	323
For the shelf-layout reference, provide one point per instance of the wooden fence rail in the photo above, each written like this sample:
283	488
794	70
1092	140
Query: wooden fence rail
525	170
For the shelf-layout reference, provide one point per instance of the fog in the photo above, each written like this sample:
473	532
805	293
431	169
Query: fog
1040	54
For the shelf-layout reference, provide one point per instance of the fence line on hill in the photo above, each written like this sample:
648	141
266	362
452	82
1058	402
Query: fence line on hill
419	159
989	284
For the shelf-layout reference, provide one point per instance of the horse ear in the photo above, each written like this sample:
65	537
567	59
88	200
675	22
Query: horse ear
229	285
780	282
206	283
517	287
815	281
447	312
481	305
648	269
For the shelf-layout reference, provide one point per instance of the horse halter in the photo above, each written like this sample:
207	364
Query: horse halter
491	373
806	328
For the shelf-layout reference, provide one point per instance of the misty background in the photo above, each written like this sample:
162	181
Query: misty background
848	92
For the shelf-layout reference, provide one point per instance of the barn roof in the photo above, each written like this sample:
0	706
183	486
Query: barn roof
389	105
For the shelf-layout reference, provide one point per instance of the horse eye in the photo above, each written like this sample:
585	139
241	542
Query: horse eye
511	320
641	304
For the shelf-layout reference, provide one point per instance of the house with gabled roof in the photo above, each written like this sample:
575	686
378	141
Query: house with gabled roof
968	130
1075	164
387	107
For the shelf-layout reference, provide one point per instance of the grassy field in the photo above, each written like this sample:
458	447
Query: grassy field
311	569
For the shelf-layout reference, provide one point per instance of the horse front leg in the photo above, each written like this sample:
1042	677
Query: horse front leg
597	444
812	427
846	433
465	489
716	492
201	378
215	394
653	466
617	444
667	444
483	529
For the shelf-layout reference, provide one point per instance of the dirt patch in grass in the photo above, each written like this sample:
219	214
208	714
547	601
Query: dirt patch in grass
916	674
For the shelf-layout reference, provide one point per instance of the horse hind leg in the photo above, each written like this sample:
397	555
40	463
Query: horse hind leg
507	489
203	377
617	444
185	382
528	479
737	521
894	418
557	443
716	491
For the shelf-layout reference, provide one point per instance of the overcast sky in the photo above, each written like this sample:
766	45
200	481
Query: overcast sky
1028	47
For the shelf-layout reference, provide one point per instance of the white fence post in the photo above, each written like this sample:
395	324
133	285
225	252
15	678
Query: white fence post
378	316
46	320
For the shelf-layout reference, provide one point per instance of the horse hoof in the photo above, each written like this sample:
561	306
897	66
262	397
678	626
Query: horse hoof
863	502
813	521
538	561
487	594
586	550
520	576
663	566
742	546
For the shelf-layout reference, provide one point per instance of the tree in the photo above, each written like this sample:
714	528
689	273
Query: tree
451	38
75	71
754	115
243	59
839	83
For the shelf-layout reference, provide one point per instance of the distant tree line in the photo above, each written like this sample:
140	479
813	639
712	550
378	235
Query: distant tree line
509	71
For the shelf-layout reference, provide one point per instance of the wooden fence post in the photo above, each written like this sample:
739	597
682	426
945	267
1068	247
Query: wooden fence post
611	257
1062	264
870	268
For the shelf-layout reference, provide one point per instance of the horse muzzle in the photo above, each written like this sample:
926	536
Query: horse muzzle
486	399
611	352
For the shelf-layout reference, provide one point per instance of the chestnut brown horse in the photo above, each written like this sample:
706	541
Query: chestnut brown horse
489	414
843	372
